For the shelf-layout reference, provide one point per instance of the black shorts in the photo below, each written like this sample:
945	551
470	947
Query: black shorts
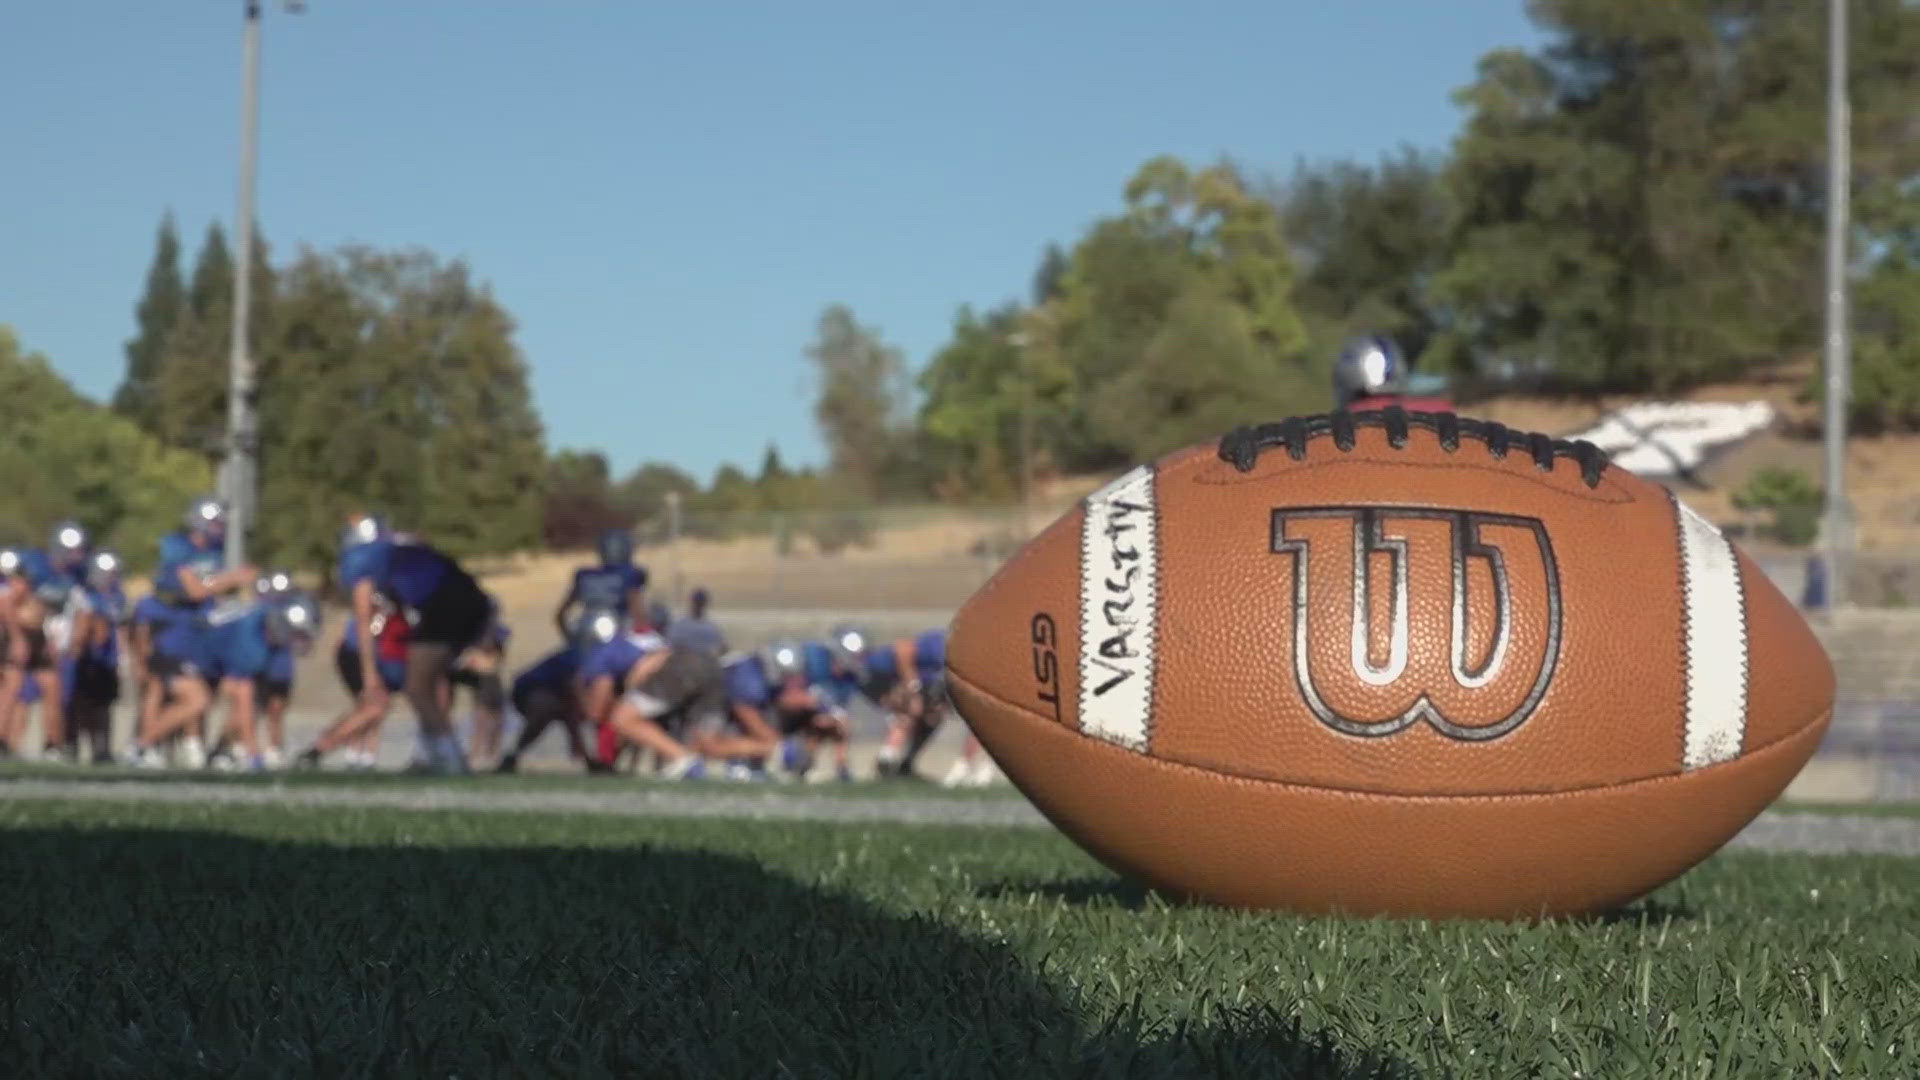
531	700
95	682
265	688
487	686
39	655
457	614
167	668
794	721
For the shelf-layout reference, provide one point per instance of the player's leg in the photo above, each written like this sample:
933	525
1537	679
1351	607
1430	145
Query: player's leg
928	710
273	696
187	697
451	620
12	676
44	670
489	713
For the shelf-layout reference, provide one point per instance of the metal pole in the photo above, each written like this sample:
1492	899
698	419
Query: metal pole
1838	527
673	542
239	469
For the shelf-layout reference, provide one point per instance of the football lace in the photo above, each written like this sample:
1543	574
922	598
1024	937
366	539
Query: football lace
1241	447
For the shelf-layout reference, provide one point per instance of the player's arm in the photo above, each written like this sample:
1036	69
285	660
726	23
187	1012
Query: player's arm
903	663
363	635
566	605
647	666
199	588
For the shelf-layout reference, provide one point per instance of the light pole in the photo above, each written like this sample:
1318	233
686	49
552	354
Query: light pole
1838	526
238	480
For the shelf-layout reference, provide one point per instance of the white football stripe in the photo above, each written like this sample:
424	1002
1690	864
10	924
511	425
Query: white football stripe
1716	643
1119	597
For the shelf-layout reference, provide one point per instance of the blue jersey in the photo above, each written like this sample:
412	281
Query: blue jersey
408	573
831	683
605	588
153	614
930	654
237	647
279	664
618	656
47	579
110	604
746	681
555	671
180	551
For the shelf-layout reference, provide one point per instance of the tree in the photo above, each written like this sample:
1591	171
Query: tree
858	408
393	384
190	408
579	502
1640	202
67	457
1131	326
642	495
972	400
160	308
771	469
1369	240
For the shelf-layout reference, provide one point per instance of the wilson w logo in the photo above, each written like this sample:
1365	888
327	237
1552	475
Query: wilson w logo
1410	615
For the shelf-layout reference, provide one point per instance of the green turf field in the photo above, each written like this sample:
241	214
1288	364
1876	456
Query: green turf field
189	940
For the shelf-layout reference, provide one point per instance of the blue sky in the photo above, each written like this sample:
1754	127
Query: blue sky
666	196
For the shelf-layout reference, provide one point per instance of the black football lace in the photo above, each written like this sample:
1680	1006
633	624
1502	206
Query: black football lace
1241	447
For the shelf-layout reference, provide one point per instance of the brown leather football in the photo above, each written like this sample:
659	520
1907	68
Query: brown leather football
1391	663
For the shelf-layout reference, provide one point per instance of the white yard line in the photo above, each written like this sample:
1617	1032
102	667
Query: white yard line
1779	831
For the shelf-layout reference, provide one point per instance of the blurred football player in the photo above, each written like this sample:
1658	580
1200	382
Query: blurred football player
479	670
48	604
547	693
191	582
145	624
671	702
96	679
357	731
11	674
1372	373
615	588
293	625
446	613
696	631
906	678
803	715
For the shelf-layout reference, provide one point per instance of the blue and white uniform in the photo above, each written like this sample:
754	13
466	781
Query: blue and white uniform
182	645
440	601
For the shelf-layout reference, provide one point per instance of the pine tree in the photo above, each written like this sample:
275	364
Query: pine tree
195	369
160	308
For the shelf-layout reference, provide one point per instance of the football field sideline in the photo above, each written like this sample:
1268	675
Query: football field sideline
1788	830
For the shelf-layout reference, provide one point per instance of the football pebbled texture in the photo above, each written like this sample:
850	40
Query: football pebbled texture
1391	663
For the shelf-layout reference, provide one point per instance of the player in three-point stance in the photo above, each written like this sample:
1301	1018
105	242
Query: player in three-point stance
805	715
446	613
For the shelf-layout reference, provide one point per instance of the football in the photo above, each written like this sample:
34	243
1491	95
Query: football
1391	663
